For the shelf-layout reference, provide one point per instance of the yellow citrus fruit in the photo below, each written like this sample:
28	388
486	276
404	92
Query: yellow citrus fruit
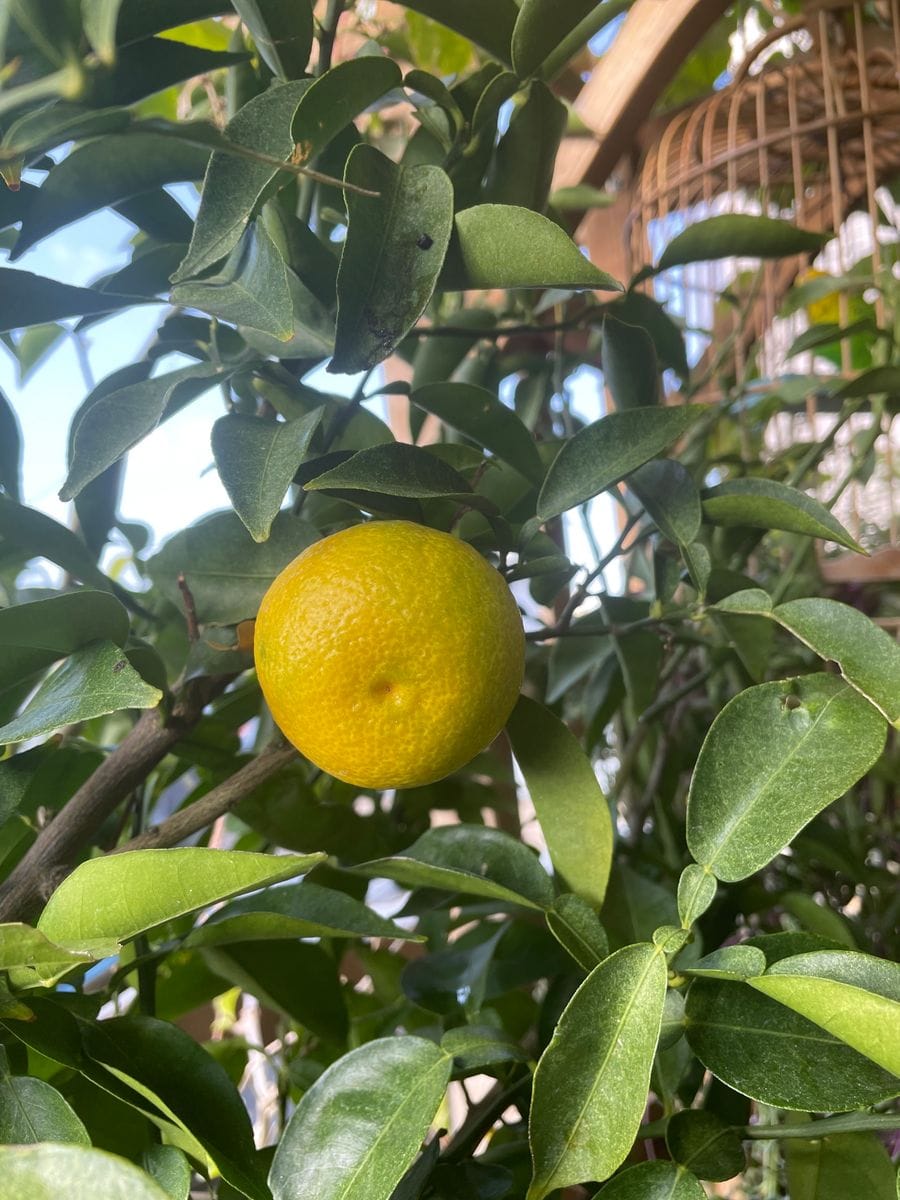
827	309
389	654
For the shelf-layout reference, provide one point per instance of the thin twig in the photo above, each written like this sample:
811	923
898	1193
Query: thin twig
216	803
190	608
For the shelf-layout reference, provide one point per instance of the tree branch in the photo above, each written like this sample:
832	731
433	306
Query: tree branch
151	739
216	803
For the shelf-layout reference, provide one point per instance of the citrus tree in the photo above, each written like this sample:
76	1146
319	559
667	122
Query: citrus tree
692	981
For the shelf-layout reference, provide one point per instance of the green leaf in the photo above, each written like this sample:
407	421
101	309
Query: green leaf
338	96
289	977
233	187
729	962
107	901
479	415
170	1168
577	928
34	636
282	31
34	345
312	326
738	235
228	573
654	1181
177	1078
25	949
251	288
522	166
590	1087
696	892
630	369
667	491
33	1111
103	172
99	18
775	756
46	1172
567	798
824	335
256	460
834	1168
302	910
358	1128
10	450
636	308
853	996
95	680
603	453
42	537
471	859
504	246
868	658
490	28
392	256
703	1143
540	26
28	299
475	1047
395	469
109	423
41	129
763	1050
766	504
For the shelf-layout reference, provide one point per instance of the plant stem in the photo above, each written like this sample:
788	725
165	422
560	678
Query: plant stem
327	35
216	803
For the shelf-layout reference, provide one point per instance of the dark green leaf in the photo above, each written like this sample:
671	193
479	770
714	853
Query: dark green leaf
504	246
106	901
824	335
630	369
151	66
102	172
636	308
654	1181
208	554
174	1075
338	96
290	977
139	20
739	235
76	1172
312	327
282	31
591	1083
33	636
603	453
775	756
251	288
835	1168
405	232
256	460
855	997
233	187
878	381
10	450
867	657
577	928
704	1144
95	680
147	274
475	1047
668	493
767	504
470	859
301	910
490	28
33	1111
567	798
42	129
14	205
158	214
394	469
762	1049
27	299
540	26
42	537
171	1169
522	166
109	423
479	415
360	1125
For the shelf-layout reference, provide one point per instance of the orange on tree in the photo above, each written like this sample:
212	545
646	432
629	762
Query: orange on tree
389	653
